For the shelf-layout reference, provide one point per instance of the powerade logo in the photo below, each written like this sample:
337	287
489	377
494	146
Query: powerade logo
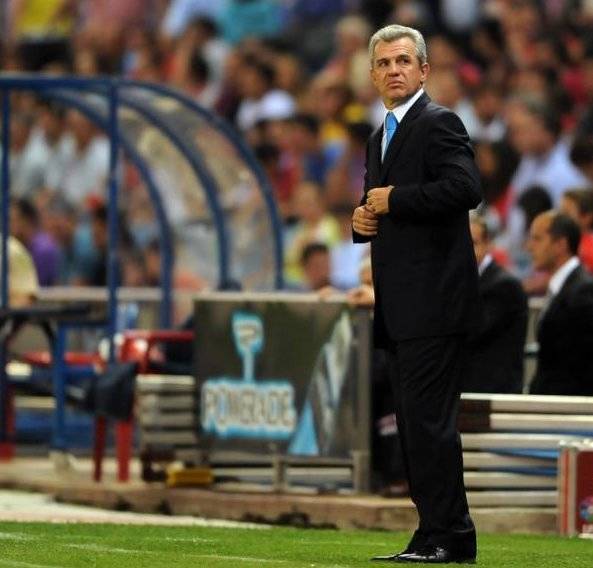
586	509
240	407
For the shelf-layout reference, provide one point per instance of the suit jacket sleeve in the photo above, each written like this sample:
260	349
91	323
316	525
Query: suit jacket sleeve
357	237
453	184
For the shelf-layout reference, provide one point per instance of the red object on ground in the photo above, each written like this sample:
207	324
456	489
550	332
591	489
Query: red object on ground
43	358
138	346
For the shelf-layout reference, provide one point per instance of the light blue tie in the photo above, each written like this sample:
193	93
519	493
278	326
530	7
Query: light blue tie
390	128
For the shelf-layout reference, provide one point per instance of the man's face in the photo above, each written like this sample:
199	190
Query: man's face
61	226
481	245
80	127
396	71
528	134
487	105
100	233
19	134
317	270
544	250
19	227
251	84
51	124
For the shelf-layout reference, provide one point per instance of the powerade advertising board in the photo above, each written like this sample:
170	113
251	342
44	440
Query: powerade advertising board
280	374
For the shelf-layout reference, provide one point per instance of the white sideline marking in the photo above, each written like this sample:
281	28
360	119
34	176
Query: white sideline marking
263	560
222	524
190	539
16	536
196	539
239	558
17	564
355	543
108	549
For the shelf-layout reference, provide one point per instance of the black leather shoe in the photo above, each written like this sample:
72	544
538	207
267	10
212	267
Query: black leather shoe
435	555
418	541
396	557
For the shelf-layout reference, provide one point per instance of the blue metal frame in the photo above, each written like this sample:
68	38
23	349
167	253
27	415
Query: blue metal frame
4	394
60	373
112	221
111	90
208	182
5	195
166	307
107	86
245	153
8	84
23	82
59	369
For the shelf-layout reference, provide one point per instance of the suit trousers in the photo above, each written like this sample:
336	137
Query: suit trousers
426	374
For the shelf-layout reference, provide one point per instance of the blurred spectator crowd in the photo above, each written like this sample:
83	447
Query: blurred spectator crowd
293	77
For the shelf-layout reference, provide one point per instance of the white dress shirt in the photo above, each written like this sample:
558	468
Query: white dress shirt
486	261
559	277
555	285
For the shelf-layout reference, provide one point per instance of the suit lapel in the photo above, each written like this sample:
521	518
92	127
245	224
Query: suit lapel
488	278
374	165
558	300
400	135
489	274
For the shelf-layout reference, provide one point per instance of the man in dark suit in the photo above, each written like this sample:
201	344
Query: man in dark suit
497	345
565	327
421	181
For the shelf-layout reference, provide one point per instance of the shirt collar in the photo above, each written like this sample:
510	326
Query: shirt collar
486	262
401	110
559	277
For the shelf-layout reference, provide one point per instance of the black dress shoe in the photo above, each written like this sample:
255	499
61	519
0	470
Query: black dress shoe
418	541
395	557
435	555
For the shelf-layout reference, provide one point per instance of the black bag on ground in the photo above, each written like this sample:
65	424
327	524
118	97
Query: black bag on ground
112	394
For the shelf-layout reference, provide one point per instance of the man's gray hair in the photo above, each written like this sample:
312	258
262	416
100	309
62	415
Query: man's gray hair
393	32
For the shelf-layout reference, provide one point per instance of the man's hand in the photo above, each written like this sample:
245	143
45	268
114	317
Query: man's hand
363	296
365	222
378	200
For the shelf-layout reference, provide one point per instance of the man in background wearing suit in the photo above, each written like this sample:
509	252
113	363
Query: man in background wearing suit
421	180
565	327
497	345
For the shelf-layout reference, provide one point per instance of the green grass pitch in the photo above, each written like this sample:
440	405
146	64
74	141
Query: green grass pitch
35	545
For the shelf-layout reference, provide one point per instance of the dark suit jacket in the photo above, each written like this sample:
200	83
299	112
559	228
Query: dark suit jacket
497	345
424	267
565	337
